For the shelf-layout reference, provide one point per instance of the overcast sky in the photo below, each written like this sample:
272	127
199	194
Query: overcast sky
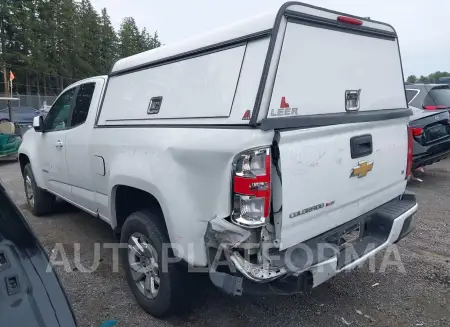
423	26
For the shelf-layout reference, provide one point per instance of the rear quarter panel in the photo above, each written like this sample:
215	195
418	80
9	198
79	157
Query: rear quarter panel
188	170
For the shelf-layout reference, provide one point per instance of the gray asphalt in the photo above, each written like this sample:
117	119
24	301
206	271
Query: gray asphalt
420	296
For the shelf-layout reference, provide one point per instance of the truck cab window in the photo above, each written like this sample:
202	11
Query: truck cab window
58	116
82	104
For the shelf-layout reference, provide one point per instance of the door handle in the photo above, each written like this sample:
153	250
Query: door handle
361	146
59	144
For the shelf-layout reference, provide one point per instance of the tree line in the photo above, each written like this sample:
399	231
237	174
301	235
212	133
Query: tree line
431	78
49	44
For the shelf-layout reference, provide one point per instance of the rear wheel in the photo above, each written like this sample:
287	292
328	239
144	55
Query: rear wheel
40	201
156	285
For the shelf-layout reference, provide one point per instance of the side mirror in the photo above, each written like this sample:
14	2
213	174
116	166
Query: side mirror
38	123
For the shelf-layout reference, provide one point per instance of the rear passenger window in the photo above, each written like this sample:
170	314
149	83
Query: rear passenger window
410	94
82	104
439	97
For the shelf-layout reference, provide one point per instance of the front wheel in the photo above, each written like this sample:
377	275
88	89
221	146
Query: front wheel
157	286
40	201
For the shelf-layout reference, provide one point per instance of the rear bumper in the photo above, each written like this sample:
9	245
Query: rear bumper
431	154
311	263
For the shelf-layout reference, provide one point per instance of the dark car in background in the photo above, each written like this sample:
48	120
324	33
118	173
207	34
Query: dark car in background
30	294
428	96
431	136
20	115
444	80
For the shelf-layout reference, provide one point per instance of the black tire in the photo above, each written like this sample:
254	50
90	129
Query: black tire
43	202
172	282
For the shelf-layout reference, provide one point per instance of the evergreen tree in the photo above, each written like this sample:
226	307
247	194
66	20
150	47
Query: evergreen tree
411	79
49	44
148	42
129	38
67	43
89	33
423	79
15	45
154	41
108	43
132	41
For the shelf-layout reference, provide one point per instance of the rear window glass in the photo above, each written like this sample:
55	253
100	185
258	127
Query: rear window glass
410	94
438	97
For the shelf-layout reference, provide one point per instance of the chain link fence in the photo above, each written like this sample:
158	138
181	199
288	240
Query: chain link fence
32	101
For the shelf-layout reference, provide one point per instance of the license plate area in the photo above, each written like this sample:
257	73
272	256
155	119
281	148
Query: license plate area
363	237
350	235
436	132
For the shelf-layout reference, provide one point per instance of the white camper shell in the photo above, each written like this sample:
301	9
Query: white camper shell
304	54
298	69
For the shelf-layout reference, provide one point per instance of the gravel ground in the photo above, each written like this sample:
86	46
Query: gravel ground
419	296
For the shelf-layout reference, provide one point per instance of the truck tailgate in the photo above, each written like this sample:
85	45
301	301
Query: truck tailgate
323	187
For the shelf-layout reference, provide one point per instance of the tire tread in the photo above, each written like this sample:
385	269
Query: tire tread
44	202
169	303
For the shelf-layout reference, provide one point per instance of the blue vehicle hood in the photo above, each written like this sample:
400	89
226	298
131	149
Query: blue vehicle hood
19	116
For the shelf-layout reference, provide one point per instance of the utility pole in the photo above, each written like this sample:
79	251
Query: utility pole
5	82
3	49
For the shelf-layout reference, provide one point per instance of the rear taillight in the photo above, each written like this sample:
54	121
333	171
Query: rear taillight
437	107
251	188
410	153
416	131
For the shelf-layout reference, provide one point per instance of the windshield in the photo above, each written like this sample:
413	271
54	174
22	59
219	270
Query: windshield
440	96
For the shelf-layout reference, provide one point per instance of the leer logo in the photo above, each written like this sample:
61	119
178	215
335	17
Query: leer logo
247	115
284	110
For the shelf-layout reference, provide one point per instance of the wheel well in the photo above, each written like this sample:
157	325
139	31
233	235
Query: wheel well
23	160
129	199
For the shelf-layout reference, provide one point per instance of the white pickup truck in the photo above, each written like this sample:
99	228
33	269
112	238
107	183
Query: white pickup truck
275	152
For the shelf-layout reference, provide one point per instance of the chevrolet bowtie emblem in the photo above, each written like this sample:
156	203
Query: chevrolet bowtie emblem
362	169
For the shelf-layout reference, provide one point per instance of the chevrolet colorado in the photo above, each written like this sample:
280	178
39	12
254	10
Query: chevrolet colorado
230	148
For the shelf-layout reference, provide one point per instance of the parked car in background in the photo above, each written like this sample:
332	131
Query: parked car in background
431	135
428	96
20	115
444	80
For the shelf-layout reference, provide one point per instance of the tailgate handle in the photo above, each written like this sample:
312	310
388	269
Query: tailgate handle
361	146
